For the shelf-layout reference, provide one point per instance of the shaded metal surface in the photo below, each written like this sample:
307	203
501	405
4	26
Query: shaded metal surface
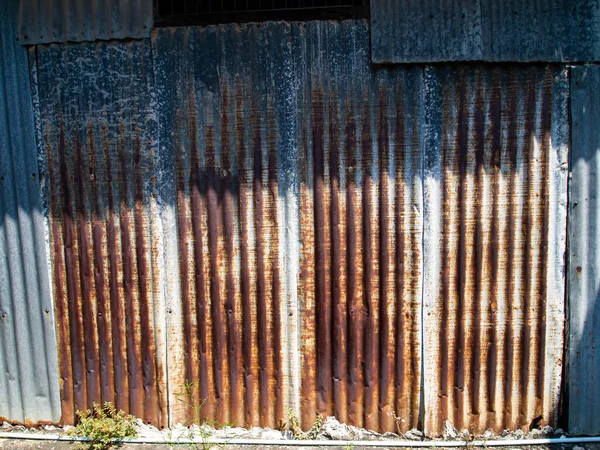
360	162
495	221
409	31
99	140
46	21
227	114
584	252
29	391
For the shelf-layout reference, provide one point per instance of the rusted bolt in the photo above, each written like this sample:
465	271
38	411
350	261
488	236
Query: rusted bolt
579	269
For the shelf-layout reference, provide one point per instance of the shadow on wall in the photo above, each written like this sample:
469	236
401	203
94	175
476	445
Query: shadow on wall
281	221
584	289
28	359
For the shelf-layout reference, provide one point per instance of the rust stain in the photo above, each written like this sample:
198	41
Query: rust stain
245	198
228	210
358	226
101	275
103	308
495	251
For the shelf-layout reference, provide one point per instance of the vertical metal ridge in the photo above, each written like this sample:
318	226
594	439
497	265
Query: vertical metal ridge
28	357
102	231
457	30
364	274
492	343
42	22
226	114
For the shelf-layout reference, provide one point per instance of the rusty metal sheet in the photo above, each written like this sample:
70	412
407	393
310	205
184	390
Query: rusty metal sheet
418	31
99	140
495	221
29	391
226	126
360	164
47	21
584	248
275	298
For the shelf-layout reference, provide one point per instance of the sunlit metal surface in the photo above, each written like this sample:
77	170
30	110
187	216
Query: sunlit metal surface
495	221
258	209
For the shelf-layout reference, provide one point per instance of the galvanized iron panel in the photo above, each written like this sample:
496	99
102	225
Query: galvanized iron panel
98	135
551	30
29	391
360	164
425	31
409	31
495	221
227	113
584	251
46	21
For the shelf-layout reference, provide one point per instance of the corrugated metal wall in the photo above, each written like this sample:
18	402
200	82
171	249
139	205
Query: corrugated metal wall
28	359
418	31
259	209
46	21
495	221
584	251
360	163
227	120
99	139
303	98
278	183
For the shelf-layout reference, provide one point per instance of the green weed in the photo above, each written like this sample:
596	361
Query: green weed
104	425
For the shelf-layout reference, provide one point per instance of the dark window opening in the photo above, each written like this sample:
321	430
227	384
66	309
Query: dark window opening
205	12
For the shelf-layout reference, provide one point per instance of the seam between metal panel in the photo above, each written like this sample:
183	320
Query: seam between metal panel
563	417
43	183
421	412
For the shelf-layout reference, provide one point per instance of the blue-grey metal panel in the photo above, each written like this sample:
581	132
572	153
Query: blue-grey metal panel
552	30
584	253
99	141
45	21
28	352
410	31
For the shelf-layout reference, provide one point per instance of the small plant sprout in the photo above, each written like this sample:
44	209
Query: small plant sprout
105	426
198	424
315	429
293	424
